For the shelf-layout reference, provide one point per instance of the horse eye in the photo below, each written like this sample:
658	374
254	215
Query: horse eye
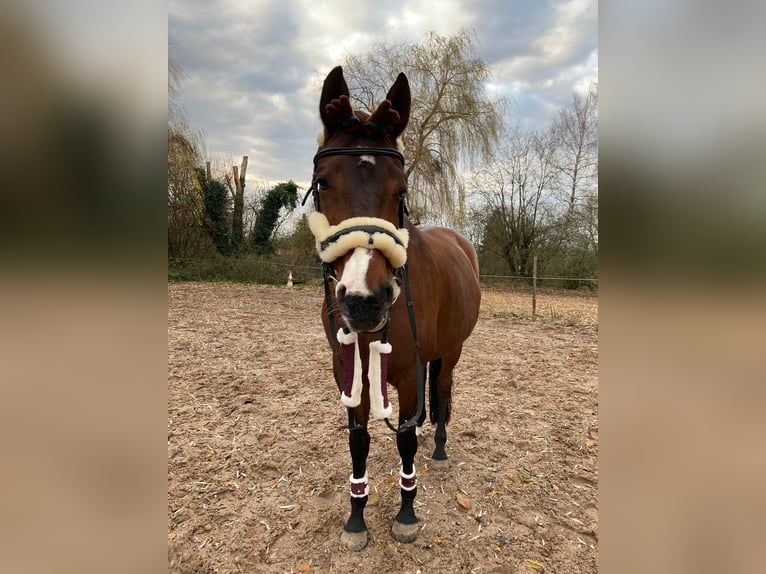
322	184
403	194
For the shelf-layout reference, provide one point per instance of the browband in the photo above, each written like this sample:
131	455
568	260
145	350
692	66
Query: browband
358	151
328	151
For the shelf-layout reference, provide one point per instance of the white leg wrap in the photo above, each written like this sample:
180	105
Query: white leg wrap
408	481
356	486
379	408
356	388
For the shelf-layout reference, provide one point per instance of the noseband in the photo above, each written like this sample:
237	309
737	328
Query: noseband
373	233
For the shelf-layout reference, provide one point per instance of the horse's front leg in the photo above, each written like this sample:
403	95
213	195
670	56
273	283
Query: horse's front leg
354	535
406	527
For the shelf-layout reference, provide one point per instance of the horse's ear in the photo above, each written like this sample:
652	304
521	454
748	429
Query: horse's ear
334	105
393	113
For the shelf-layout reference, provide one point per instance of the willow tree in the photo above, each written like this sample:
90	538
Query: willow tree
187	236
453	124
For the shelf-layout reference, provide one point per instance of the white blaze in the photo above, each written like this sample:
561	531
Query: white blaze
354	277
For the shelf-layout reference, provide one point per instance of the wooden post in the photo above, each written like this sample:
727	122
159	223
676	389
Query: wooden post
534	285
237	225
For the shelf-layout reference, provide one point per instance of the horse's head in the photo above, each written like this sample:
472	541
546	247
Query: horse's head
359	185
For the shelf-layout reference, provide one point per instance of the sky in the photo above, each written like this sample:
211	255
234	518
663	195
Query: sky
254	68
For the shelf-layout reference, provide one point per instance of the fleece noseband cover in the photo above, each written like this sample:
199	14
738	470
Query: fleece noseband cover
334	241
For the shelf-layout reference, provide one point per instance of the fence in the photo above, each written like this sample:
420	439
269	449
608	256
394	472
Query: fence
274	270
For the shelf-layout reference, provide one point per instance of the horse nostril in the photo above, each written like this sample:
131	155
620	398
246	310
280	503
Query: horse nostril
388	290
340	294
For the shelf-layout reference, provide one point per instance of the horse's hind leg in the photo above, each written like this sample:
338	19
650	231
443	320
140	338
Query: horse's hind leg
422	417
434	367
440	376
354	535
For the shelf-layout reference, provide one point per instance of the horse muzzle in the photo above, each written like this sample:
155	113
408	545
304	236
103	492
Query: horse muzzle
365	313
366	249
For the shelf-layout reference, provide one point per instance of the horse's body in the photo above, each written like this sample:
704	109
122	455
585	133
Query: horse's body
367	190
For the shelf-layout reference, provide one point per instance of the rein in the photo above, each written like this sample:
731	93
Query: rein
329	273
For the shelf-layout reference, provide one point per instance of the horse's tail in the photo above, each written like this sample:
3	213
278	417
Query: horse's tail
434	368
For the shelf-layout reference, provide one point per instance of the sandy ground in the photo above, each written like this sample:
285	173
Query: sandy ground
258	468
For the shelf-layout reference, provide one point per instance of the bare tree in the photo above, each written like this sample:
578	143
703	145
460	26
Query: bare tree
237	223
576	134
517	209
452	124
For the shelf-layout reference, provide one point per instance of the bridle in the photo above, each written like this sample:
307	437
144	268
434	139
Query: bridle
353	151
400	273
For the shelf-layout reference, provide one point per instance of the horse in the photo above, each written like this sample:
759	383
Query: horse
371	253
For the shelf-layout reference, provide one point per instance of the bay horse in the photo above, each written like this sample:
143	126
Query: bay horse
371	252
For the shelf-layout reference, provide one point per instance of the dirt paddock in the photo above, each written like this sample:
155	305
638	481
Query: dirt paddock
258	468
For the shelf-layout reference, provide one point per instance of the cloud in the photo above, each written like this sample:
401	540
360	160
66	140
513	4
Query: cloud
539	52
255	68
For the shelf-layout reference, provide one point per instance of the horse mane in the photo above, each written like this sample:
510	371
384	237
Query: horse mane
339	112
384	115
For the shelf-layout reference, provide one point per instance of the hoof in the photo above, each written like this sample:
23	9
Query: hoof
354	541
405	533
440	464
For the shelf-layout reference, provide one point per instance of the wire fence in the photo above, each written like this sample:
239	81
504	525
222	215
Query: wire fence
275	271
539	278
